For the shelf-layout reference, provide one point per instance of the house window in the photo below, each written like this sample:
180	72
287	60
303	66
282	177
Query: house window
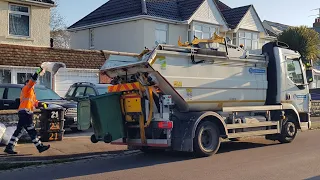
44	80
19	20
161	33
234	38
204	31
91	38
5	76
250	40
23	77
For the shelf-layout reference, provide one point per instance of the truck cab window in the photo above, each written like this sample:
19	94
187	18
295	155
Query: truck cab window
294	71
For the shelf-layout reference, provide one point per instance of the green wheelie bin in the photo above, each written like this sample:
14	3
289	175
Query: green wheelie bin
107	118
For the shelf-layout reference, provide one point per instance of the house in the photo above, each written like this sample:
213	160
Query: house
25	22
274	29
131	25
25	44
17	63
316	24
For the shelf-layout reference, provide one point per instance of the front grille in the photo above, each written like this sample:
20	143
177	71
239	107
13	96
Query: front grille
71	112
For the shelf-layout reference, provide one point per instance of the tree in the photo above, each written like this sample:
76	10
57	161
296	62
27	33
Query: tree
304	40
61	37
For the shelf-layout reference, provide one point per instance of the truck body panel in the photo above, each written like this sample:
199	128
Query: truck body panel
185	90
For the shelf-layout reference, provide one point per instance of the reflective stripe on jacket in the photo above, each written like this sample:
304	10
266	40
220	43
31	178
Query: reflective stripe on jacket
28	99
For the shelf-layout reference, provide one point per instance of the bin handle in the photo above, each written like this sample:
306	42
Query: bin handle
151	106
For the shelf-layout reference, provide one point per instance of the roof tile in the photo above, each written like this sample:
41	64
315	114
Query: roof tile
234	16
15	55
45	1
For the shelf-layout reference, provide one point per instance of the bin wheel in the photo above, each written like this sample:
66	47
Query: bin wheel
93	139
107	138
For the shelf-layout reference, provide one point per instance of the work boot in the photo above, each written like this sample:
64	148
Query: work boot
10	151
43	148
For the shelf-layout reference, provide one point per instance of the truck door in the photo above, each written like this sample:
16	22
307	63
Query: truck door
296	87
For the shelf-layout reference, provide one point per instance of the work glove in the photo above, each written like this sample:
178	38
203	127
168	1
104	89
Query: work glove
39	70
36	74
43	105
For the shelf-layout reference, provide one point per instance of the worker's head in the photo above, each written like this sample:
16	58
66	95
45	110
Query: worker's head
26	82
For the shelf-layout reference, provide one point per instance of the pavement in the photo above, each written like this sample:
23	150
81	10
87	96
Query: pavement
249	159
73	146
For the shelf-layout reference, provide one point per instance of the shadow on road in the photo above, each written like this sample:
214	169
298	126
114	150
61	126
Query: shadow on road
314	178
235	146
139	160
28	157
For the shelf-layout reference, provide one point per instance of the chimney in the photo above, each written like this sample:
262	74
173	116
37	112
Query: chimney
316	23
144	6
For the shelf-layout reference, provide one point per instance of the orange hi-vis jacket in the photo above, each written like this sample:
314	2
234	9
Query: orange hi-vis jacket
28	99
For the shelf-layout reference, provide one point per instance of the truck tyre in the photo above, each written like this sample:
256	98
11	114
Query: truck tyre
289	130
207	139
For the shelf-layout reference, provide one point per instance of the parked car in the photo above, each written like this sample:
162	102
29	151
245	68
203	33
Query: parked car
85	89
315	94
10	94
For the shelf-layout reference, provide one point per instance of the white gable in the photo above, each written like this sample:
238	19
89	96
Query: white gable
251	22
209	13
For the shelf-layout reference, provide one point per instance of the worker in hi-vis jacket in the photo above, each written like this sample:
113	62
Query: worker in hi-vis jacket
28	103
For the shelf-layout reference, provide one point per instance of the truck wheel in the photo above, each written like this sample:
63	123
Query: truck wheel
207	139
289	130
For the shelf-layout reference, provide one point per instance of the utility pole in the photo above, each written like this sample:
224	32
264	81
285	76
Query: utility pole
318	9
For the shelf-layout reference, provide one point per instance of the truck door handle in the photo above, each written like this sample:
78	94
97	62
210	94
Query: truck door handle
288	96
6	104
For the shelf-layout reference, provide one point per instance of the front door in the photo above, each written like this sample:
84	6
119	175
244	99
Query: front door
296	88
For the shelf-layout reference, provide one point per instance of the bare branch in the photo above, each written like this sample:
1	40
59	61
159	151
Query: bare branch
61	38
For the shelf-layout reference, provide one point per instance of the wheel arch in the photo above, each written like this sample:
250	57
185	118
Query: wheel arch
290	109
214	118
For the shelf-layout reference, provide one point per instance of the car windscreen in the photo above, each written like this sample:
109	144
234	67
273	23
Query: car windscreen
46	94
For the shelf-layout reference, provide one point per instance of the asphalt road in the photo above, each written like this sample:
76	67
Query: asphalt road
254	159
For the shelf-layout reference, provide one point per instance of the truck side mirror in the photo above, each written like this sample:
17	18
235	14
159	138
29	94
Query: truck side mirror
309	74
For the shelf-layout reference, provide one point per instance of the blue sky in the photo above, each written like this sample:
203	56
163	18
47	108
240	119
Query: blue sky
273	10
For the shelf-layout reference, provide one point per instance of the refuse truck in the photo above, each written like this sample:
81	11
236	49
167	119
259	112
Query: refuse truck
191	96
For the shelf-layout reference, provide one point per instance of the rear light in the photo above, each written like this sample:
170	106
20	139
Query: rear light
165	125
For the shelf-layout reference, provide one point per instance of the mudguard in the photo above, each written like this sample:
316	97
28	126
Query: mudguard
185	125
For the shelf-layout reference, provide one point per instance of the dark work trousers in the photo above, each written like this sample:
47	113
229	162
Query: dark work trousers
25	122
